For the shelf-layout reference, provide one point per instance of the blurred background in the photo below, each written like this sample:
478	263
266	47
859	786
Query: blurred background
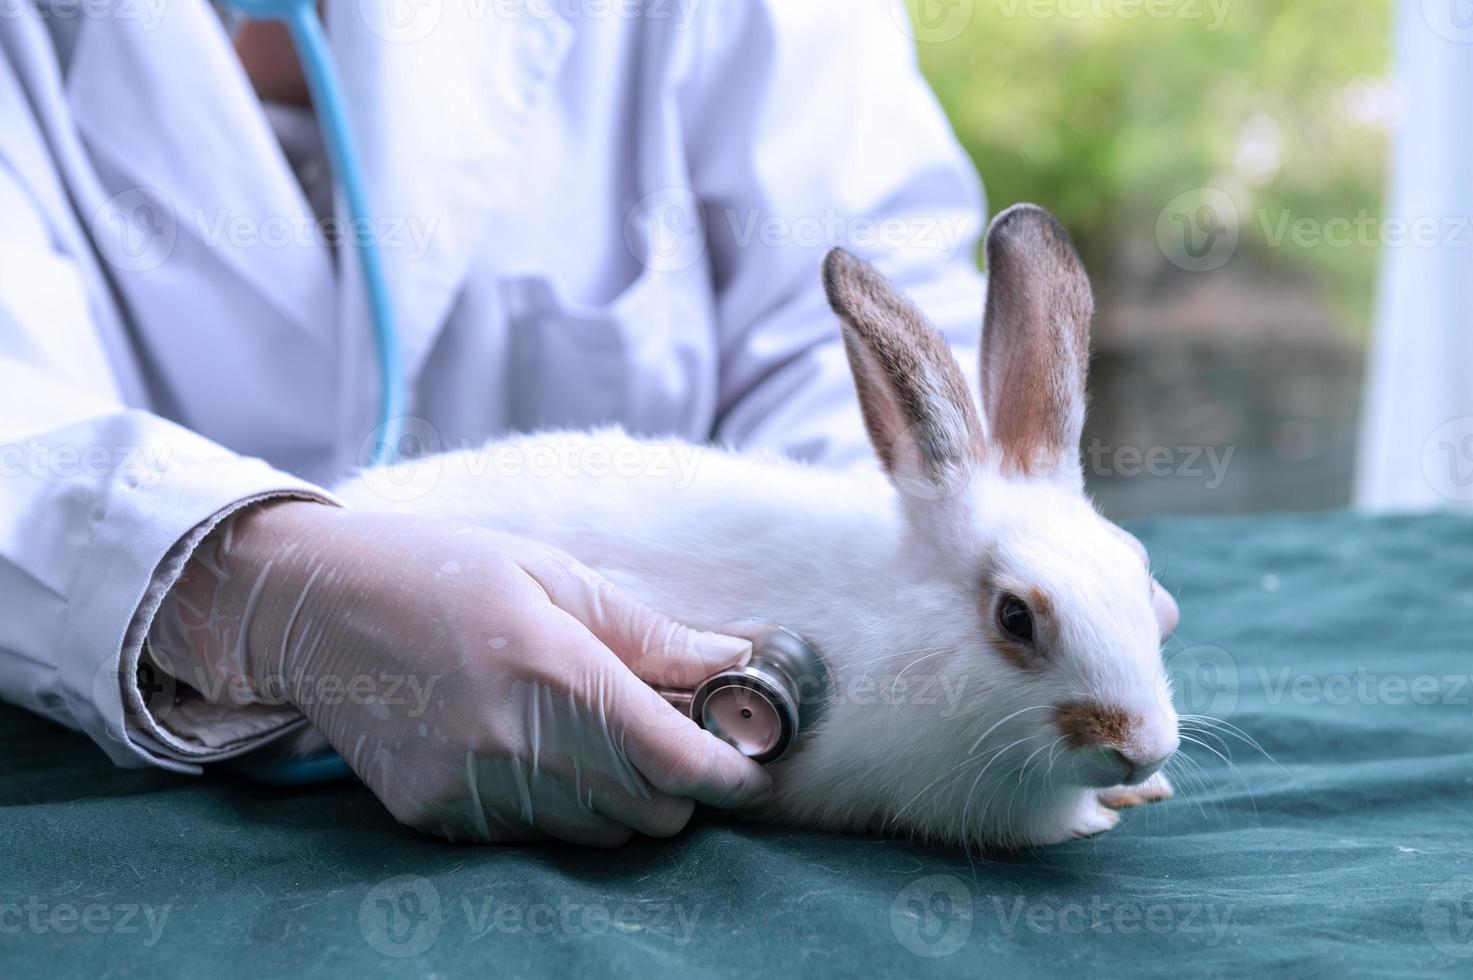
1222	166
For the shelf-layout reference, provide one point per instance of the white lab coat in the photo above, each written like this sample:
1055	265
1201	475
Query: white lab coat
1416	449
586	217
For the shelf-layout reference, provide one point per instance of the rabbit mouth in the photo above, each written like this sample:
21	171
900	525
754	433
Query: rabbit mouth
1100	767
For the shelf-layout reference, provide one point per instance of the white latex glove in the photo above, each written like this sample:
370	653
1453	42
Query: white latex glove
540	719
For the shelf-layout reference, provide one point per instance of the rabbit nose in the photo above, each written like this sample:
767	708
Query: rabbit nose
1137	766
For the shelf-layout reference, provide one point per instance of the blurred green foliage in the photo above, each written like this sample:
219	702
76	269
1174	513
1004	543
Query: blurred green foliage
1105	117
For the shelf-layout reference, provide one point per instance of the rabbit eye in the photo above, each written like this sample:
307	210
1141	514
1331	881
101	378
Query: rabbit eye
1014	618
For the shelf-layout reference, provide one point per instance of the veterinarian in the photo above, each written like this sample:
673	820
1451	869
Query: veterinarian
588	216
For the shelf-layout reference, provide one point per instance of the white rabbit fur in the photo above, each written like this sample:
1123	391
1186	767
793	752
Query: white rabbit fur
936	730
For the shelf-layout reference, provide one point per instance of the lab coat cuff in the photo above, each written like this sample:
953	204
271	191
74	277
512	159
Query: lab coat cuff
144	533
167	717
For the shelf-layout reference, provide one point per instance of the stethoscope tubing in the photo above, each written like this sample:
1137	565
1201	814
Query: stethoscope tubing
315	56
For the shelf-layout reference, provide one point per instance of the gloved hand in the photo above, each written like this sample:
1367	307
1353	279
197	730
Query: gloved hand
538	720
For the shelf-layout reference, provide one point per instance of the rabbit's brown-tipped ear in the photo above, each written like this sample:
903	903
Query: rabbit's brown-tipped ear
920	415
1035	344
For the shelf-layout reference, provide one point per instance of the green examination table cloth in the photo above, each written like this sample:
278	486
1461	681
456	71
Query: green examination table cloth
1340	643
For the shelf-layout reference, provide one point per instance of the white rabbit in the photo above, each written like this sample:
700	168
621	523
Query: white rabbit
991	638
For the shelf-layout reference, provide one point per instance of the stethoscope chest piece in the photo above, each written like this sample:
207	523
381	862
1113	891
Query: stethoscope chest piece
761	707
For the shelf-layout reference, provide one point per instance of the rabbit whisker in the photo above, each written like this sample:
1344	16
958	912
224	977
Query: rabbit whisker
971	791
992	756
983	737
1231	765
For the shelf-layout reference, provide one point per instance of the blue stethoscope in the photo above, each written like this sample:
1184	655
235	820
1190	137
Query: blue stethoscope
310	41
759	708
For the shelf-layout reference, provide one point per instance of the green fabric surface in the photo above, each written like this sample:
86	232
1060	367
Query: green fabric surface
1339	643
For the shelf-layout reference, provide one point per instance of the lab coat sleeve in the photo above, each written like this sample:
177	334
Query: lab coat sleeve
99	506
811	127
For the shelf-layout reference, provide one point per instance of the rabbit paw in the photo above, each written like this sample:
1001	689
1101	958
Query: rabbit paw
1092	818
1151	791
1086	818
